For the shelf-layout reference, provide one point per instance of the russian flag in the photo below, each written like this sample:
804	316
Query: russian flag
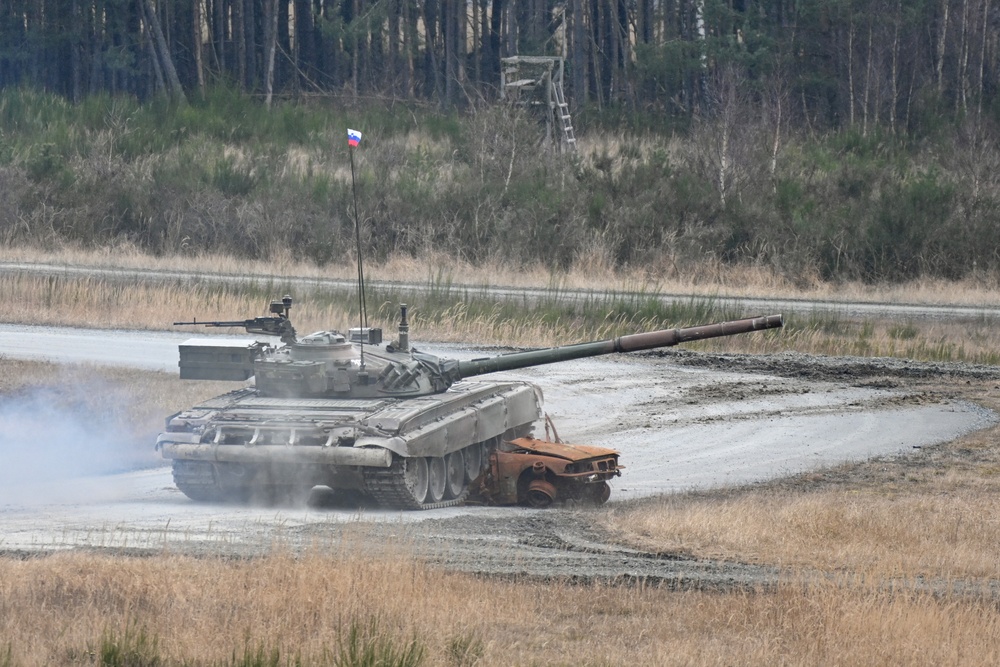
353	138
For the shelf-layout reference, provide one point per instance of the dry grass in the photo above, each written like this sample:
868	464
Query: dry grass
54	610
101	303
932	513
927	340
909	535
710	278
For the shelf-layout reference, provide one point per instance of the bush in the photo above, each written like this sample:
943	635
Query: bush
225	175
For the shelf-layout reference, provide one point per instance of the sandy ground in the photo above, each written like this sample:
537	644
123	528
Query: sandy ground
681	421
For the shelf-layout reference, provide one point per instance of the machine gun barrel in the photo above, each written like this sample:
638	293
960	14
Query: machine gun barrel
628	343
264	326
218	323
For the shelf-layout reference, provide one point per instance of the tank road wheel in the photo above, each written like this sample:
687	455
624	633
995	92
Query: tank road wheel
197	480
407	484
454	465
437	478
473	457
415	477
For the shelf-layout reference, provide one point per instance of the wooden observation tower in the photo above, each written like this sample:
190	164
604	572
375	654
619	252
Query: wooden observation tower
537	82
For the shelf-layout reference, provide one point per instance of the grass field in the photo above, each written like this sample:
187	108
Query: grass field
710	278
886	562
446	310
320	608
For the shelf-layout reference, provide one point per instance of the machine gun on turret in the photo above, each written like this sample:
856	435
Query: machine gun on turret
279	325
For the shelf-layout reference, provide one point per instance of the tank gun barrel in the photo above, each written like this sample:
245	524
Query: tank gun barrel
628	343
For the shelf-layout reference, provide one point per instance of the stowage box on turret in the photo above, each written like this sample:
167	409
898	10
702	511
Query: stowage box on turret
407	428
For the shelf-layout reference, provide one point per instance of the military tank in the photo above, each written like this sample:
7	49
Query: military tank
409	429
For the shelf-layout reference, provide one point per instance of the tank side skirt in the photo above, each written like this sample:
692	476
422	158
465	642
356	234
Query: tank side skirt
338	456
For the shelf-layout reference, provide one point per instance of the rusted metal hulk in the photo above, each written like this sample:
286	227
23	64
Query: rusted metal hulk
407	428
536	473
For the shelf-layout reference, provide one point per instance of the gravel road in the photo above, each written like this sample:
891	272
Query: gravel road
681	420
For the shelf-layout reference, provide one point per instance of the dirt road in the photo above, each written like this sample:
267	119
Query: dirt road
681	420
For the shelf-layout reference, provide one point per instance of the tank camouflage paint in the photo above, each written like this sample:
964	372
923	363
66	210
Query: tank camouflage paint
410	430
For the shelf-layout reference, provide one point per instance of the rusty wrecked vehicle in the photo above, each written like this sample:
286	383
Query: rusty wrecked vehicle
408	429
535	472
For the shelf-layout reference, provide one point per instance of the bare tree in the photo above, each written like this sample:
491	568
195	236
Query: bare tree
271	38
163	53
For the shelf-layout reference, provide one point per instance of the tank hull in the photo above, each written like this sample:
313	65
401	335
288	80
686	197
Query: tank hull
405	427
243	445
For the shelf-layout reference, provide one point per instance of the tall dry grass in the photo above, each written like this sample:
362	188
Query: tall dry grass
449	316
54	610
711	277
900	535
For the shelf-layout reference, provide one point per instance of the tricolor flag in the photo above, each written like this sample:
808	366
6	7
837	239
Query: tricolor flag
353	138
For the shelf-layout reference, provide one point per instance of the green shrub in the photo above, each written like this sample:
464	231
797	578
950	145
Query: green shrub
368	645
134	647
7	656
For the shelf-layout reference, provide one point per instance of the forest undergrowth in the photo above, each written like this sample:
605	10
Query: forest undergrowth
223	176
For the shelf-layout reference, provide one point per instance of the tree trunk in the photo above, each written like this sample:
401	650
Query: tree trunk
497	9
240	37
391	75
894	100
75	52
250	43
850	70
868	79
159	85
221	34
305	51
941	46
579	58
166	62
982	58
411	19
271	38
197	41
961	99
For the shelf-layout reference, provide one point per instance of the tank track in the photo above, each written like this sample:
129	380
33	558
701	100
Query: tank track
197	481
387	487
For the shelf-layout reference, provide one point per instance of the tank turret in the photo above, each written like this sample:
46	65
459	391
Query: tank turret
327	363
410	429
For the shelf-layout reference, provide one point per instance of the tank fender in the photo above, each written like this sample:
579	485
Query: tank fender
491	417
182	438
394	444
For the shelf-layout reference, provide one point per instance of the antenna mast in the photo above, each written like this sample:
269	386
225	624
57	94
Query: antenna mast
353	139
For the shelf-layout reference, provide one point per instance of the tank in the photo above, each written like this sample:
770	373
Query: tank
409	429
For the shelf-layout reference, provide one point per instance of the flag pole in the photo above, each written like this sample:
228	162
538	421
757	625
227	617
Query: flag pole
353	138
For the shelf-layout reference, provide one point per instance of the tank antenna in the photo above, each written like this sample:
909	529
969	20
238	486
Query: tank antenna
353	139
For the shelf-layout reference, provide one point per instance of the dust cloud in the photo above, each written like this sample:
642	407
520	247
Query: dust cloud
64	443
